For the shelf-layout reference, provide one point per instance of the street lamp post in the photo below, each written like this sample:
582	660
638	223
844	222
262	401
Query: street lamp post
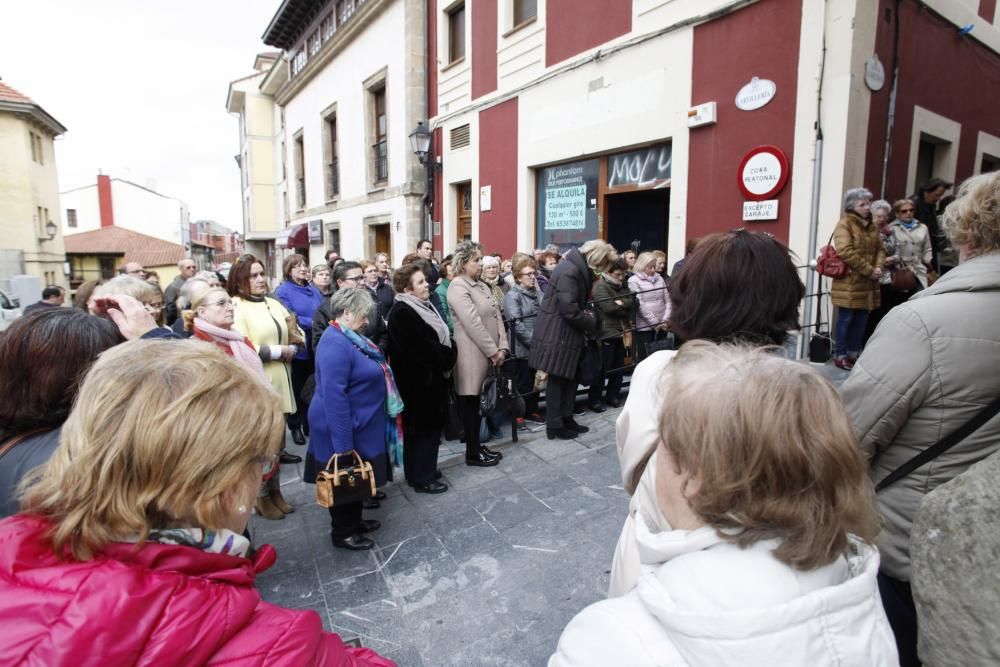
420	142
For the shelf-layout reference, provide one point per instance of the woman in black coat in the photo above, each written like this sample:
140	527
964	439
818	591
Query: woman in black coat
422	356
561	329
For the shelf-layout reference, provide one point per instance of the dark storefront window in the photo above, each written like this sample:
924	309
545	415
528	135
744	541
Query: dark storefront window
567	204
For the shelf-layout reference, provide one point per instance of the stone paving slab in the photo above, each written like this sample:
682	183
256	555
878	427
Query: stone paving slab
488	573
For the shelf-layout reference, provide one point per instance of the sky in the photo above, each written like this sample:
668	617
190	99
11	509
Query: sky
141	87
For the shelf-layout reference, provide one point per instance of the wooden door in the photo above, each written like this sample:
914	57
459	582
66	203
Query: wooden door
463	210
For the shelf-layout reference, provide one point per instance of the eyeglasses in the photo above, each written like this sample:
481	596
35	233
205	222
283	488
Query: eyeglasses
221	303
152	307
906	210
528	274
268	465
353	279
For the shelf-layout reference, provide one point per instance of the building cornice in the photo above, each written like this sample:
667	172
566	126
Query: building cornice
35	113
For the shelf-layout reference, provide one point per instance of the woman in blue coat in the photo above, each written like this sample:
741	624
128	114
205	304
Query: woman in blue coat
356	407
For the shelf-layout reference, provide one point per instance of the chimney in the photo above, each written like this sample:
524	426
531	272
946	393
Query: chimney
104	201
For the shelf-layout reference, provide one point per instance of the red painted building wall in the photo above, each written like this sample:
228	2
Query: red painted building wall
432	69
987	9
760	40
959	79
105	202
484	47
574	26
498	168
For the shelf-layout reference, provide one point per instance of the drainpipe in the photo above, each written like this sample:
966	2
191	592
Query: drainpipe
891	117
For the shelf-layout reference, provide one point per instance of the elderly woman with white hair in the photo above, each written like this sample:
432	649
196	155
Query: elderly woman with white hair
356	408
561	328
856	239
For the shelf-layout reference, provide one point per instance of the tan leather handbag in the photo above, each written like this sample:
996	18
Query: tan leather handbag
343	486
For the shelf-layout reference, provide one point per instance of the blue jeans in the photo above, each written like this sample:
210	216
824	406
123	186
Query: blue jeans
850	331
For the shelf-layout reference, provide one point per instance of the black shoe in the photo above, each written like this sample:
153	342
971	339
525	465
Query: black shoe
380	495
571	425
369	525
498	455
597	407
433	487
297	437
305	429
370	504
289	458
579	411
354	543
438	474
613	402
560	433
481	460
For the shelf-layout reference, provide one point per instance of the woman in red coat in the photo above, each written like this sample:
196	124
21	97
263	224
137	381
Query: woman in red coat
129	550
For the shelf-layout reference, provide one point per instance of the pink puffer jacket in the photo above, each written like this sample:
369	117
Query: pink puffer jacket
159	605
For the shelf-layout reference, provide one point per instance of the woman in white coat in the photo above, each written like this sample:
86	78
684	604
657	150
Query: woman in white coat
769	560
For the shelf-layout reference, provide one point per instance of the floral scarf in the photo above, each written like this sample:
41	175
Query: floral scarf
393	401
223	541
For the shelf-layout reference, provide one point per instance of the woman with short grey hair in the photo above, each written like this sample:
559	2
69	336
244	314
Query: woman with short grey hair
857	242
353	409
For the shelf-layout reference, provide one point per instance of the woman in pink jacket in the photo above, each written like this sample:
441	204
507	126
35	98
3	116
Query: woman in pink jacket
129	549
653	299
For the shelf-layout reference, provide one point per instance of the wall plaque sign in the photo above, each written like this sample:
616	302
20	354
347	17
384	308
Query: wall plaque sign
756	94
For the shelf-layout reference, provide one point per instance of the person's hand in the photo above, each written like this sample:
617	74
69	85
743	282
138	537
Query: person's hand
889	261
619	302
130	316
288	352
877	273
498	358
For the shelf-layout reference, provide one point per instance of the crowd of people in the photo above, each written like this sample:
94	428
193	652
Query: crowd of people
131	459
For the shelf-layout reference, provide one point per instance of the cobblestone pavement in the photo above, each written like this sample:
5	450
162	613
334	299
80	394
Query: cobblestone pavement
486	574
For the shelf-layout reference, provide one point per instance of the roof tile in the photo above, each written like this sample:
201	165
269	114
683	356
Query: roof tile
142	248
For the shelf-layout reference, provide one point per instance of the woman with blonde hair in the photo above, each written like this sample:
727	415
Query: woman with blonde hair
563	323
652	299
769	557
129	548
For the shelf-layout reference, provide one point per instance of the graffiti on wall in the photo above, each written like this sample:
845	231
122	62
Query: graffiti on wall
646	167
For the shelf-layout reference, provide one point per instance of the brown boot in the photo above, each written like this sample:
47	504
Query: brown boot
281	503
266	508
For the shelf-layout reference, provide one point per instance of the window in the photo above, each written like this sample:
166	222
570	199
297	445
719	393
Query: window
71	217
300	172
331	155
299	61
107	268
344	10
39	222
328	27
524	11
380	153
284	168
456	33
460	137
34	147
314	43
333	239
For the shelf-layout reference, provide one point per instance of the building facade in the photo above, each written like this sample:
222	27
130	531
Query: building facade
116	202
347	92
650	122
31	240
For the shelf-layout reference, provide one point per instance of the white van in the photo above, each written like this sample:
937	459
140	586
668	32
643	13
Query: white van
10	310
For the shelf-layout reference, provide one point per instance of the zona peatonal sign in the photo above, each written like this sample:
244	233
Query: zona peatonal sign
763	172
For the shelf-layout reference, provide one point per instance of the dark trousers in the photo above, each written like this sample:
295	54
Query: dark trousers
642	338
469	407
301	370
420	455
612	357
345	519
897	599
560	395
524	376
850	330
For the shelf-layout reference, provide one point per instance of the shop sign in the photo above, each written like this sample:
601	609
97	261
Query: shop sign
644	168
763	173
754	211
485	198
315	231
567	203
756	94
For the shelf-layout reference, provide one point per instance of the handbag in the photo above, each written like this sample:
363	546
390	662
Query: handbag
904	280
829	263
497	393
941	446
627	337
588	369
343	486
295	334
667	342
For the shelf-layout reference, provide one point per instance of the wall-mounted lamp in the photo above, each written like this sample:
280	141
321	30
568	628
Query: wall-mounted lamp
51	229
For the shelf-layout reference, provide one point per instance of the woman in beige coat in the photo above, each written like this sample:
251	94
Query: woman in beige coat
858	243
480	339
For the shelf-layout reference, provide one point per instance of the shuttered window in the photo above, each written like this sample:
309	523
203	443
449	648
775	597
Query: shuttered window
460	137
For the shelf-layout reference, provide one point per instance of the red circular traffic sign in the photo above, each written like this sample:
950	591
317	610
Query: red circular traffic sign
763	173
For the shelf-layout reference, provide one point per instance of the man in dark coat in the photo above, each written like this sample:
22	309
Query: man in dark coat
925	210
53	296
557	344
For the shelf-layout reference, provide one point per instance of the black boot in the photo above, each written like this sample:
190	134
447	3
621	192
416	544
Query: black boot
297	436
498	455
571	425
560	433
481	460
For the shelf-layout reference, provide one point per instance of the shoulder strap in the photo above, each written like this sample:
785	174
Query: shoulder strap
940	447
18	439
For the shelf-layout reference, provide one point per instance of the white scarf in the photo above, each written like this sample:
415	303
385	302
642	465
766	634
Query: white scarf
430	316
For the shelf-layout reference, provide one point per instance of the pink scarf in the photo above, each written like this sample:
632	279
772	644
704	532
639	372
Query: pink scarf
236	344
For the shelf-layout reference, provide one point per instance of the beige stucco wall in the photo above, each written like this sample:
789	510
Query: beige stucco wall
24	186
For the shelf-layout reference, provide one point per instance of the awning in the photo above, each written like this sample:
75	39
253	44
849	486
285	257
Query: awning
293	236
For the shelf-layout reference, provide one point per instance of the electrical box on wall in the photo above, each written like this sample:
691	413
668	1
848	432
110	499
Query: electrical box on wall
703	114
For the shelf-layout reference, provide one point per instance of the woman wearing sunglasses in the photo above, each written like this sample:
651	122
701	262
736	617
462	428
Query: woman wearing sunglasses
129	548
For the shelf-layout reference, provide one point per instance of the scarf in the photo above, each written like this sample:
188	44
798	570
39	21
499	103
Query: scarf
909	225
224	542
393	401
611	281
237	344
430	316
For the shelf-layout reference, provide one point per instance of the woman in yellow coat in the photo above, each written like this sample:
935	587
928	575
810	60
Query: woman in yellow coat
265	322
857	242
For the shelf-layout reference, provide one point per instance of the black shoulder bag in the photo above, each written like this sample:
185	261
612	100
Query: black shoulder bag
942	446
